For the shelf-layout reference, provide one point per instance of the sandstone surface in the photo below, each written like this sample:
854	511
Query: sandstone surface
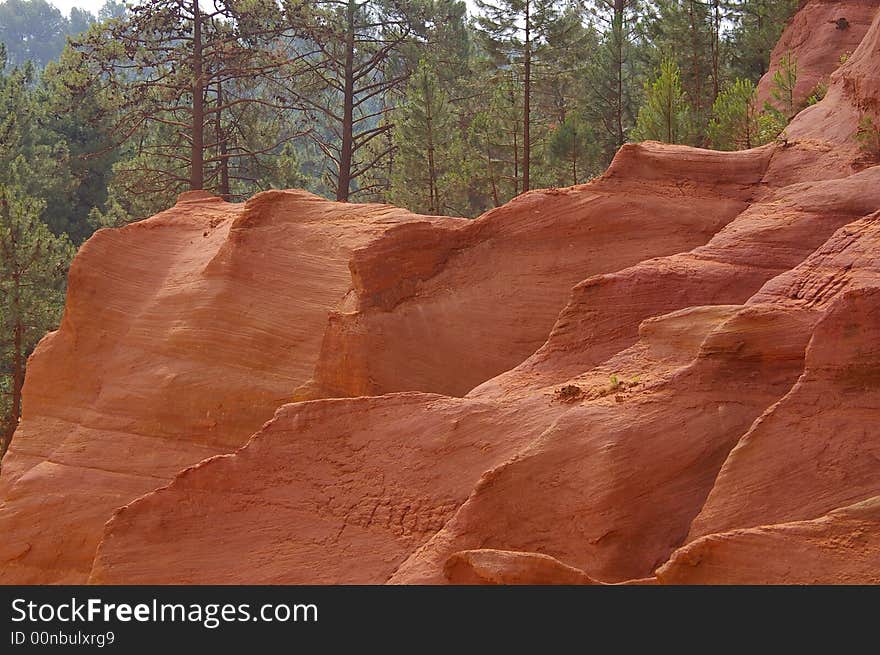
669	374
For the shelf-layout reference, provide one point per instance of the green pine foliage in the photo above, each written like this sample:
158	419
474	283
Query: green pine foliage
33	267
613	81
574	148
665	115
688	32
784	85
426	177
757	26
35	30
735	118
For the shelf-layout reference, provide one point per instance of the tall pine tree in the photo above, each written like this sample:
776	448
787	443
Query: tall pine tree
665	115
428	149
33	267
613	80
514	33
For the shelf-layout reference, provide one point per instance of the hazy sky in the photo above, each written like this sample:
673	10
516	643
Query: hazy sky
89	5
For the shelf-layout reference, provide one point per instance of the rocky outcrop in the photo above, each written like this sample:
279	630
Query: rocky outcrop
773	235
666	375
820	37
816	450
842	547
510	568
444	312
786	468
181	336
612	487
184	333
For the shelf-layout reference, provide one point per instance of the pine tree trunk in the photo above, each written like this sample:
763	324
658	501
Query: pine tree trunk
18	364
346	150
716	51
223	188
617	26
495	199
197	163
515	159
697	98
432	172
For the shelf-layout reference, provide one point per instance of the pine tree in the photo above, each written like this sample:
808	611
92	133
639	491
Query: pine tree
514	33
33	31
439	32
81	123
174	71
33	266
784	85
613	84
425	140
665	115
558	90
735	123
573	144
349	69
26	123
685	31
495	136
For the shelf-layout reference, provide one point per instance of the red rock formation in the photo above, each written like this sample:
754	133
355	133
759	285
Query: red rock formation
769	238
510	568
842	547
182	334
374	476
787	469
568	494
456	309
703	409
637	472
819	36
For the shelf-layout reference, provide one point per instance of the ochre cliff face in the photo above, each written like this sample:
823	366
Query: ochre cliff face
715	318
819	37
442	312
181	336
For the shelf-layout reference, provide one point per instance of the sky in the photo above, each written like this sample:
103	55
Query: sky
89	5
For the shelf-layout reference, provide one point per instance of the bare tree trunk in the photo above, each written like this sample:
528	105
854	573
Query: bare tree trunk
346	151
515	159
197	165
18	364
389	138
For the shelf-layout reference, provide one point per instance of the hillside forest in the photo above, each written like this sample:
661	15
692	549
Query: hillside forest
438	106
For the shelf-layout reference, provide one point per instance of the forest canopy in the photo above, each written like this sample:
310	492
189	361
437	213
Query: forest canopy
434	105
